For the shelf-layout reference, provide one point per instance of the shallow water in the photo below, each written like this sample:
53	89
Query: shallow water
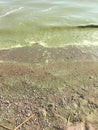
48	22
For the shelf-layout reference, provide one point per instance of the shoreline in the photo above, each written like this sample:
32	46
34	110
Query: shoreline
39	54
39	44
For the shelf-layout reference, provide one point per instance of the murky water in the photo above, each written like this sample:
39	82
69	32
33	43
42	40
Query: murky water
48	22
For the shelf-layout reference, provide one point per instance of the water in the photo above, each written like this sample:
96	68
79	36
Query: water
52	23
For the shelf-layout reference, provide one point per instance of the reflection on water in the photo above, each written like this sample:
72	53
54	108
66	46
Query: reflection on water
48	22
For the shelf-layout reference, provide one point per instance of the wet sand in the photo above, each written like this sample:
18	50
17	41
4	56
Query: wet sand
40	54
58	85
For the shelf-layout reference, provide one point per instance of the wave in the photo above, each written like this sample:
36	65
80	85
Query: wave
47	10
11	11
88	26
62	27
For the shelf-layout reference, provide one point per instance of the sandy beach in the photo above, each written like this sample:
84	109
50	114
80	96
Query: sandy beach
59	86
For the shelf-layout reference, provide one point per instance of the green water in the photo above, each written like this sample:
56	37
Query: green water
51	37
49	23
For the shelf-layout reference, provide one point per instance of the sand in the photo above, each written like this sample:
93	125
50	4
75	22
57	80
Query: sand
58	85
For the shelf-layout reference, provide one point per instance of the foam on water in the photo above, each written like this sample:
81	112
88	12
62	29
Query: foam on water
11	11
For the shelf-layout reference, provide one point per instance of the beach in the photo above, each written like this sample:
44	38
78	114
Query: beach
48	65
57	85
